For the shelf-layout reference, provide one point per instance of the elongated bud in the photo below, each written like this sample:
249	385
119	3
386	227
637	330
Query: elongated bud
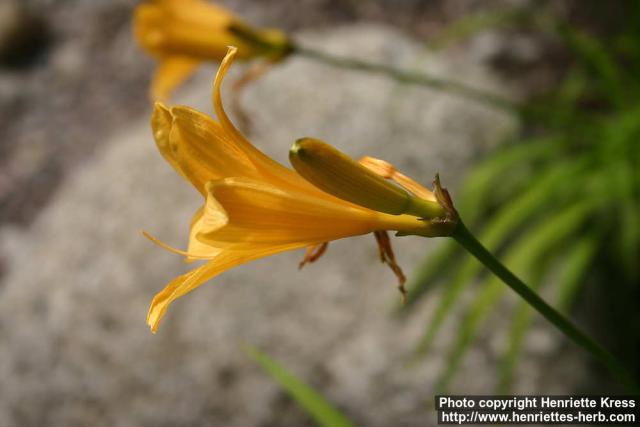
339	175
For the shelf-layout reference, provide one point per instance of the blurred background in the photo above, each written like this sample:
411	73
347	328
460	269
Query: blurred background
550	183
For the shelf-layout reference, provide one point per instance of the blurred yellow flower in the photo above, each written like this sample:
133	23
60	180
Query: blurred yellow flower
255	207
183	33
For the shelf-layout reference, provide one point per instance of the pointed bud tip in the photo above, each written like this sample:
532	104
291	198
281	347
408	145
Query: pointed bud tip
299	148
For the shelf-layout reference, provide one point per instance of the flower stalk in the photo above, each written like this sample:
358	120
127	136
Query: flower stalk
469	242
409	77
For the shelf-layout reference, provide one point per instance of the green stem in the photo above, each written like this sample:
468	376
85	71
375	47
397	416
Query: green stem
468	241
410	77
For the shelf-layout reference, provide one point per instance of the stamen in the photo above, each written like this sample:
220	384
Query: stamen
172	249
387	256
314	252
388	171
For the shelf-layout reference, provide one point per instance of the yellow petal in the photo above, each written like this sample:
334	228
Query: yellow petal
204	29
213	217
203	151
161	122
261	213
270	170
171	72
234	133
199	30
226	260
204	12
388	171
196	246
148	20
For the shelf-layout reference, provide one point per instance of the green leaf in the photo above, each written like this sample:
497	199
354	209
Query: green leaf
468	329
484	180
596	56
429	271
575	266
323	413
566	100
629	220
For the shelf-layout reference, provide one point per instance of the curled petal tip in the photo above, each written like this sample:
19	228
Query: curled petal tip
230	56
159	108
154	317
159	104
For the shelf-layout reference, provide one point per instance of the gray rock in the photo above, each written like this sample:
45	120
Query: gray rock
75	347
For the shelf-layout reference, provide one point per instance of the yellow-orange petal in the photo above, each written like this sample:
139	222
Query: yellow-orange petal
203	151
148	19
200	11
262	213
196	246
270	170
171	72
388	171
225	260
199	30
214	215
161	122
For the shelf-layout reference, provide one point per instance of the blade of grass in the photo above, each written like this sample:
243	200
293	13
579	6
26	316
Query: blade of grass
629	219
575	267
566	100
596	57
319	409
426	275
467	331
481	183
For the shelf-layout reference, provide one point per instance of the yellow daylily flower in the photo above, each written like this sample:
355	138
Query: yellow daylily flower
255	207
183	33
